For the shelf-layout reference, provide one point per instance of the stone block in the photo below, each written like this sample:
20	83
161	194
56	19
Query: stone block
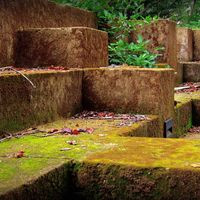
15	15
196	50
144	91
184	44
73	47
191	71
182	118
161	33
57	94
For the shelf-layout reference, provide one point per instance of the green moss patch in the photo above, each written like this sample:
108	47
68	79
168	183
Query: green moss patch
42	153
102	160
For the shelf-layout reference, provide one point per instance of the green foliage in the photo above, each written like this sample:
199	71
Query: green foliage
135	54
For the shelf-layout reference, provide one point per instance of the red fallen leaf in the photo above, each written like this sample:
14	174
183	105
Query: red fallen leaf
89	130
75	132
101	114
19	154
110	114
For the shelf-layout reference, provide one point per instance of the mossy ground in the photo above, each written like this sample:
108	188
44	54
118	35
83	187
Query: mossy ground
105	146
185	97
44	153
185	112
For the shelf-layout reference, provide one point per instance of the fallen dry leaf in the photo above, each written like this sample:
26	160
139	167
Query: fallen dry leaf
19	154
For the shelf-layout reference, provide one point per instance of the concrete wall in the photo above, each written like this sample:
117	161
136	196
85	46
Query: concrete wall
58	94
76	47
20	14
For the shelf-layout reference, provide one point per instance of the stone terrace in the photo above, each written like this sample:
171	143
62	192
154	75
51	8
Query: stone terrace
108	158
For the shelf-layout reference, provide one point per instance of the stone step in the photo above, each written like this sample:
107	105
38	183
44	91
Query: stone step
191	71
72	47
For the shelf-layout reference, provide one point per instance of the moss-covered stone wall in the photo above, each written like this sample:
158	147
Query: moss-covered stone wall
17	15
182	118
73	47
57	94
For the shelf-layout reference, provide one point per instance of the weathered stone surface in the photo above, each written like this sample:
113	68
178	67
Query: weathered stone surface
144	91
191	71
184	44
161	33
74	47
196	50
128	181
15	15
182	118
57	94
179	74
52	184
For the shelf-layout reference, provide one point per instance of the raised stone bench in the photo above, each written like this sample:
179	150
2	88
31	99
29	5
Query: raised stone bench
74	47
191	71
136	90
61	94
57	94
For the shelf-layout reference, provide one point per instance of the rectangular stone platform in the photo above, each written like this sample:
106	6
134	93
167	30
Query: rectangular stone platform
124	166
74	47
136	90
63	93
191	71
57	94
